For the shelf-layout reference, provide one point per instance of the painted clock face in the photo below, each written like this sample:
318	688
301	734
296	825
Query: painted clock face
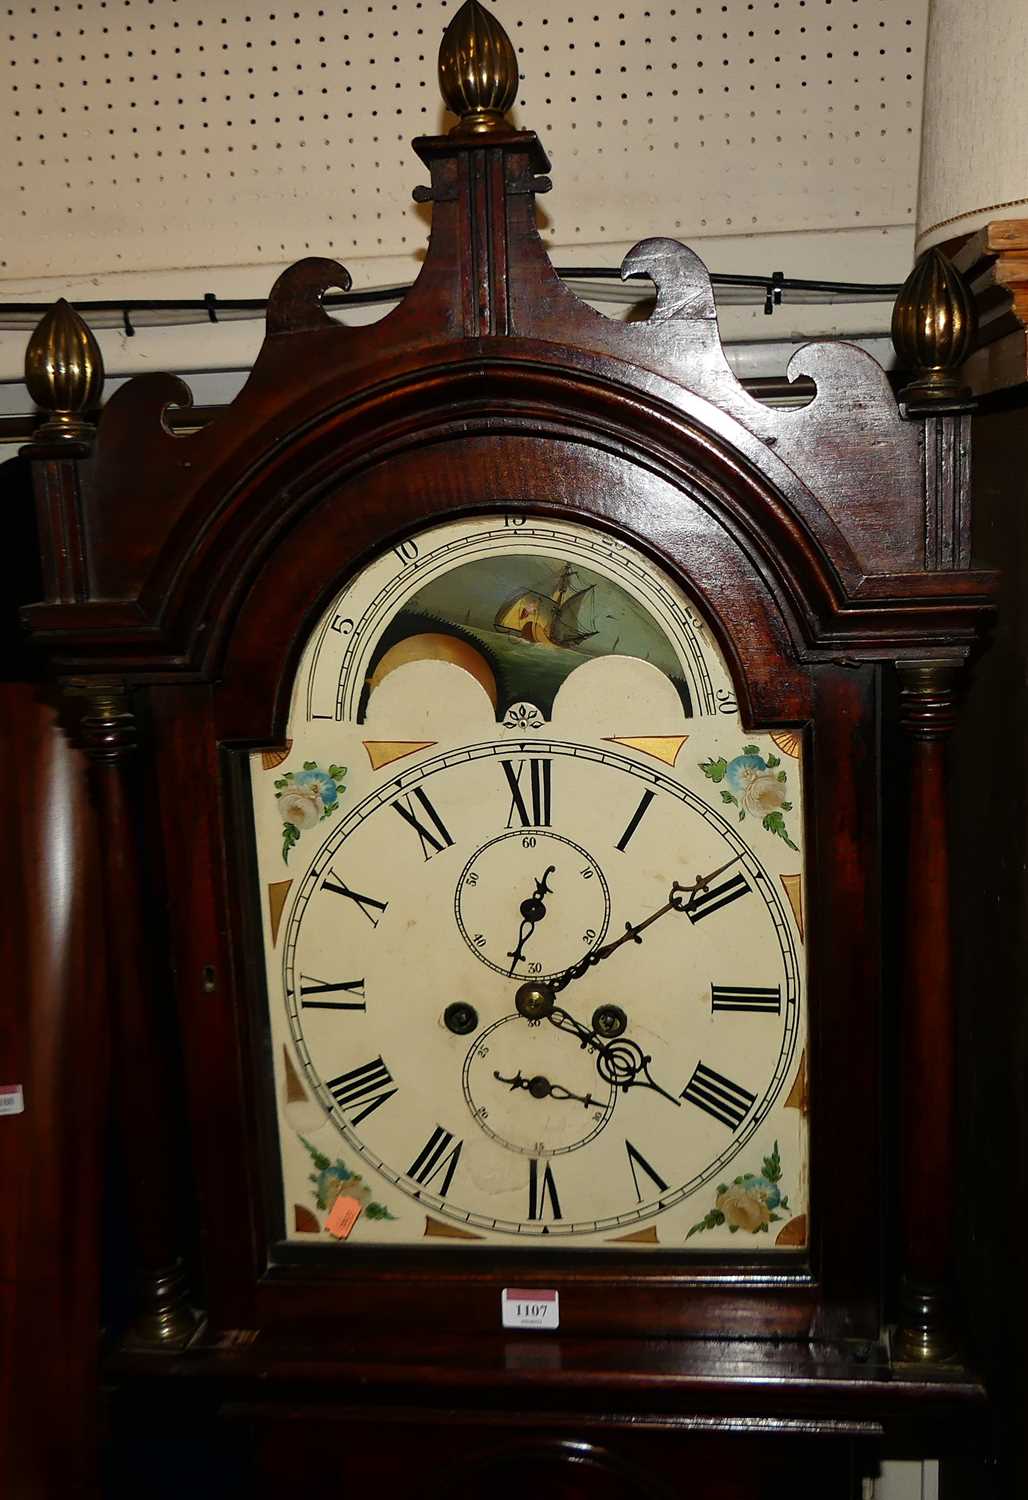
533	912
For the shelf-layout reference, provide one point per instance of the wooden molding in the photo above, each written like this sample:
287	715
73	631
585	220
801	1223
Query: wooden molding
994	260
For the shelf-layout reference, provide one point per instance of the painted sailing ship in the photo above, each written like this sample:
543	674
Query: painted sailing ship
564	617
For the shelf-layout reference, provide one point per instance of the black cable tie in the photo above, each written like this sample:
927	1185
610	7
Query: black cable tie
130	332
773	292
211	302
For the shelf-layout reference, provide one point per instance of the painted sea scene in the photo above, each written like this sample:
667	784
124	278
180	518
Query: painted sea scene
521	624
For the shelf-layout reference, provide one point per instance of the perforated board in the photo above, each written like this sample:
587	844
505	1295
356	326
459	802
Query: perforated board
144	135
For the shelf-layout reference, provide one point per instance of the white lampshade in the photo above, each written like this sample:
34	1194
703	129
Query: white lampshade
974	146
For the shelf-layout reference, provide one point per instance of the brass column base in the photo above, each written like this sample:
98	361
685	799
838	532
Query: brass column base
925	1333
166	1320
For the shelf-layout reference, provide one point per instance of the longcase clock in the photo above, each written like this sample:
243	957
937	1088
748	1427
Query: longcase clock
486	711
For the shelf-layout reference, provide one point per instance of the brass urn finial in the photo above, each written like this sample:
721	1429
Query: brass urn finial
933	324
478	69
64	372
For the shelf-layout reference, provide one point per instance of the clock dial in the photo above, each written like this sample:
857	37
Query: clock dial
670	987
537	980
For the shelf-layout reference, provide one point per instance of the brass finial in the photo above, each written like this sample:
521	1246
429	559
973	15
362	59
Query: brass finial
478	69
64	372
933	324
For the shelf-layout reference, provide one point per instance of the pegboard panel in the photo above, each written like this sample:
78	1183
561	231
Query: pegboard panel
151	134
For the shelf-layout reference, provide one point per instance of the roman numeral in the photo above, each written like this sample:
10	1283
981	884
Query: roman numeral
429	842
538	815
718	1096
540	1191
746	997
332	883
704	902
309	986
362	1086
636	1158
433	1157
635	820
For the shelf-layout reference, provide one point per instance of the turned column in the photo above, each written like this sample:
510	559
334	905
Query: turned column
927	714
64	374
142	1089
932	327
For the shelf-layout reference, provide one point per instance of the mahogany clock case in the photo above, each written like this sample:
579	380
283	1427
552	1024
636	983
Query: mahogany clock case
256	1282
298	489
823	544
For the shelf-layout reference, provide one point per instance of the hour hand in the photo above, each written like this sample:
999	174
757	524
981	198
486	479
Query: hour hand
621	1063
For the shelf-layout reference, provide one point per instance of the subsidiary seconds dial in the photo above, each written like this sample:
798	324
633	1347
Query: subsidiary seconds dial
670	1027
530	903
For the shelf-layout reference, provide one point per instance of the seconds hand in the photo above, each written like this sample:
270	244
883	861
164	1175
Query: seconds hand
532	912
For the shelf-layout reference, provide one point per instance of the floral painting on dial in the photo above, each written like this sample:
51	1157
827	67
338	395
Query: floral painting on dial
331	1178
748	1202
305	798
754	784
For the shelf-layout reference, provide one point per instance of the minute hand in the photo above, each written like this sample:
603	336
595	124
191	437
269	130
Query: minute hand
680	900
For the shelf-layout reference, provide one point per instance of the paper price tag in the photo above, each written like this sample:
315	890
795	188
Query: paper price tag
343	1216
12	1100
529	1309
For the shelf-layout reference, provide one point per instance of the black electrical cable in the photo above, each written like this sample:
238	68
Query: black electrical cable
772	288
